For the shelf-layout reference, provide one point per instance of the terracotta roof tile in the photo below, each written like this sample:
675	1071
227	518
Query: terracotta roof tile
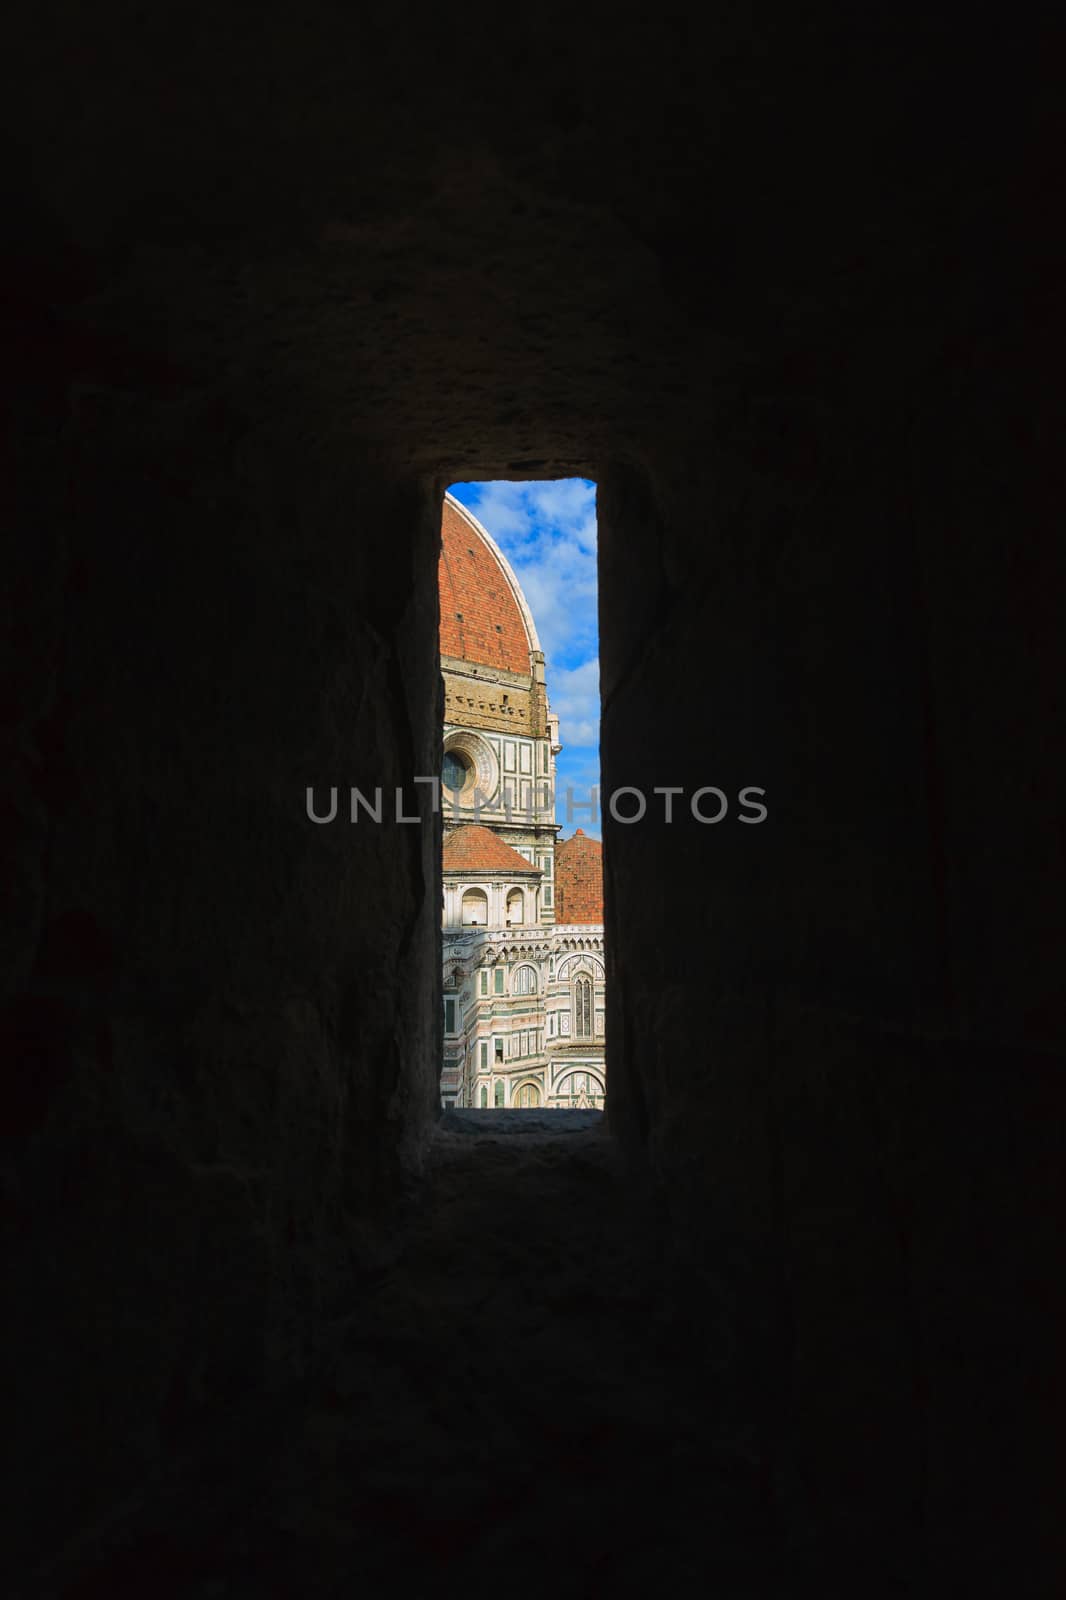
579	879
479	617
472	848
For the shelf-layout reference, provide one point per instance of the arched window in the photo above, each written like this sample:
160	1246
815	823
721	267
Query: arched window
583	1008
456	774
524	981
528	1095
516	908
583	1090
475	908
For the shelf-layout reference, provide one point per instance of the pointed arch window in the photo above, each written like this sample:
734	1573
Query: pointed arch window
583	1008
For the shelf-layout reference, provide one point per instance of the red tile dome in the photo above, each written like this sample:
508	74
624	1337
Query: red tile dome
579	879
472	848
483	618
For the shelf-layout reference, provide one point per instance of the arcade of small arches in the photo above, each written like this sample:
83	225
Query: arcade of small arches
519	908
576	1090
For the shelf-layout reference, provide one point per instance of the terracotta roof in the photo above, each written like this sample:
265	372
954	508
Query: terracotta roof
472	848
579	879
480	619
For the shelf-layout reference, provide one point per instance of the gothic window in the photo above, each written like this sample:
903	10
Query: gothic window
528	1095
524	981
583	1008
484	1095
497	1095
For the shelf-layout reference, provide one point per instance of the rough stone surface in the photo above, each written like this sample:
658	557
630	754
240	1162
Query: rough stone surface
484	1415
780	282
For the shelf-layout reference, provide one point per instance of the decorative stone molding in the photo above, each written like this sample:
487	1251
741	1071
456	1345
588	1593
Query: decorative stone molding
484	774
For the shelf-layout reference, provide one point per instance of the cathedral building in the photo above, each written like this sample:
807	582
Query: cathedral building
523	909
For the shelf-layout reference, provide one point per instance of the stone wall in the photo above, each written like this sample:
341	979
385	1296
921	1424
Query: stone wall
216	1076
841	1064
473	698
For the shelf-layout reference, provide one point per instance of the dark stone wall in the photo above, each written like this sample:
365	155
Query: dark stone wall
837	1034
780	284
218	1078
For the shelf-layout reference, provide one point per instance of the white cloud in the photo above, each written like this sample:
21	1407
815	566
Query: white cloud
575	694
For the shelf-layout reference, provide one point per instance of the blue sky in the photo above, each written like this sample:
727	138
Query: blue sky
547	531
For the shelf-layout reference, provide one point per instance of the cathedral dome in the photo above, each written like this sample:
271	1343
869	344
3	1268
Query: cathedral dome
578	879
484	618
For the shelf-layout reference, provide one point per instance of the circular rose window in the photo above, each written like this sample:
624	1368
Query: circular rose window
469	770
457	771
